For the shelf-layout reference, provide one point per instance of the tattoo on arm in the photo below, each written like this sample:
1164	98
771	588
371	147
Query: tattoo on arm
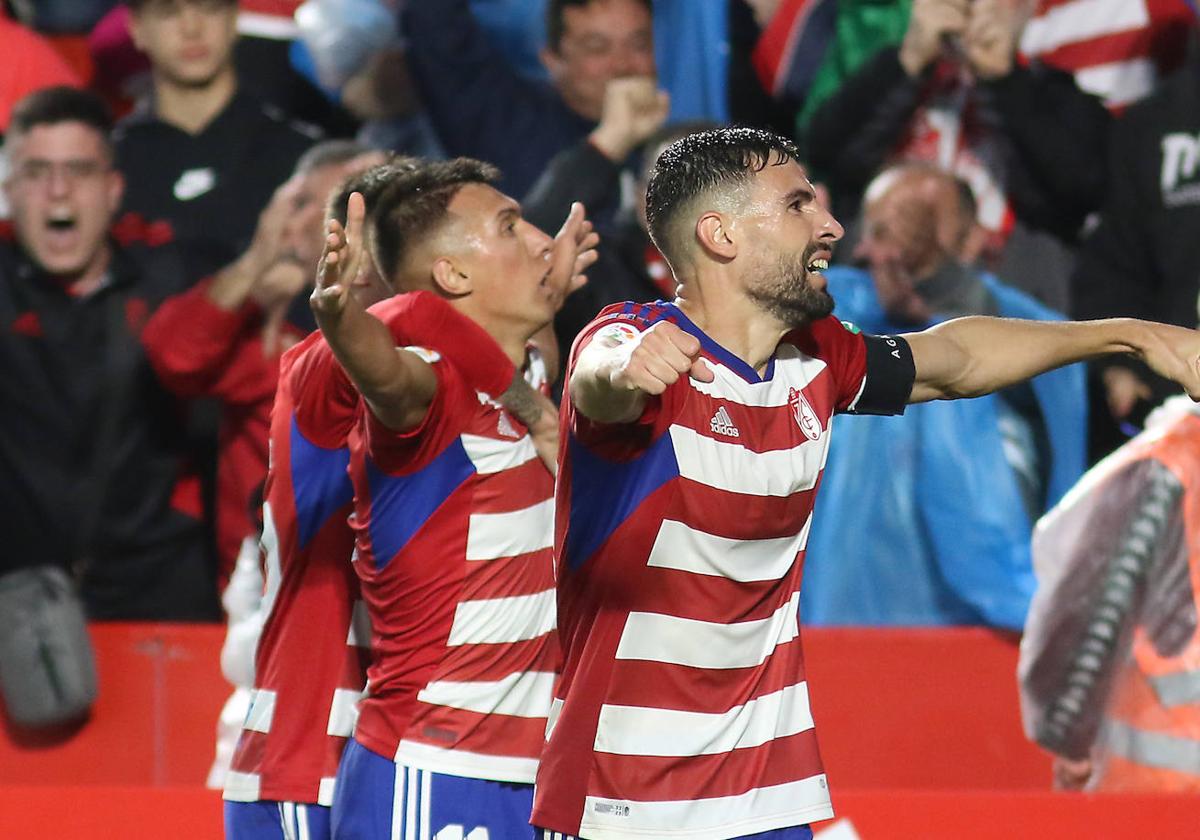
520	399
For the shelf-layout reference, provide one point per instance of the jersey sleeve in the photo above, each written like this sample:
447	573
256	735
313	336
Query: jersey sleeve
325	403
405	451
873	374
199	349
615	325
423	319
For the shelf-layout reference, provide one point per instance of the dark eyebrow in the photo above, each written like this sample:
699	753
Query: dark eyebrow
802	194
509	212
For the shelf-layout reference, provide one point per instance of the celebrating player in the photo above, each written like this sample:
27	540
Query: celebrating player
452	513
696	432
310	667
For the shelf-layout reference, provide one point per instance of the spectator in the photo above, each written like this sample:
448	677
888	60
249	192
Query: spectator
266	56
629	266
482	108
952	489
1117	50
202	154
1108	662
952	93
1143	258
91	447
223	338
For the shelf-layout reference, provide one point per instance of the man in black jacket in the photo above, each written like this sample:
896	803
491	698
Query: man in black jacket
91	459
201	153
1026	138
1143	259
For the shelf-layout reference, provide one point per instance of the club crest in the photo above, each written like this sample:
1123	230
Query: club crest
806	418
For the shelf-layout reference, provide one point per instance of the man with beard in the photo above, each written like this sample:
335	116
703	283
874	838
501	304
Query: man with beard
694	438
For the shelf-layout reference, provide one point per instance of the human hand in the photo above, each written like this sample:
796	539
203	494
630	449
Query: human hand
656	359
265	246
275	287
1071	773
634	108
931	24
897	292
991	38
1173	352
572	254
341	260
1123	390
763	10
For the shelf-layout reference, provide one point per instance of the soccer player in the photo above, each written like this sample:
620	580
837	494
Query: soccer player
694	437
311	660
453	517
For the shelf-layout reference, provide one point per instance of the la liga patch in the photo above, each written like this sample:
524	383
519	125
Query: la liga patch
613	335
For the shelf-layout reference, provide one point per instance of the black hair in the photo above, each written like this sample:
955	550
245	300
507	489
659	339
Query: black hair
61	104
370	183
415	203
697	163
554	18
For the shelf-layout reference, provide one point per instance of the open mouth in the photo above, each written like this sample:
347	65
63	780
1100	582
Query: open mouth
61	226
61	223
818	264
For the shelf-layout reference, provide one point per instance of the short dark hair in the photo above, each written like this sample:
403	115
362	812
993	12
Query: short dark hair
370	183
61	104
330	153
416	202
701	162
554	18
668	134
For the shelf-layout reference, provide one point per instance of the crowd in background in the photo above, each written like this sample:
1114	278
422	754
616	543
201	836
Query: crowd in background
1037	158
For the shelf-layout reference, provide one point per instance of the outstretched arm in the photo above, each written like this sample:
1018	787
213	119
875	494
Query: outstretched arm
396	385
968	357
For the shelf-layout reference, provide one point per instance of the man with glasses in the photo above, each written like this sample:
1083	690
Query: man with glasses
90	449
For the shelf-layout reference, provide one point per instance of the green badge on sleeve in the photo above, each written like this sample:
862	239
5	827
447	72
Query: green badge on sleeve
850	328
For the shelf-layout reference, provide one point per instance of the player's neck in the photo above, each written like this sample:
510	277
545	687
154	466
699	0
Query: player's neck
732	320
192	108
510	337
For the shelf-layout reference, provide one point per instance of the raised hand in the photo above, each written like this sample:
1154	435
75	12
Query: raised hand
341	260
932	24
991	38
573	253
634	108
656	359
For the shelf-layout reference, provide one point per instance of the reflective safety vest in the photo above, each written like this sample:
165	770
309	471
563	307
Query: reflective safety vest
1150	738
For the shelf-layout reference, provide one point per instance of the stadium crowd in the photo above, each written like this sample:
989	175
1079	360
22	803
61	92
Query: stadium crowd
220	220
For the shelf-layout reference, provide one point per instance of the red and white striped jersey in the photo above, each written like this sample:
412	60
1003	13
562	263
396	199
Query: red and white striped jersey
309	672
683	710
454	524
310	665
1117	49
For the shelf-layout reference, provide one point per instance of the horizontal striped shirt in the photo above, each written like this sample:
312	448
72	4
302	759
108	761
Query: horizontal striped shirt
454	524
683	707
309	673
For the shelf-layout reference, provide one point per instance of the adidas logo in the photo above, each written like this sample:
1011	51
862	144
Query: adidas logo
722	424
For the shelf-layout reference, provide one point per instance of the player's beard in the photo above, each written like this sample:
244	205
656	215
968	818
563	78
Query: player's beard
784	292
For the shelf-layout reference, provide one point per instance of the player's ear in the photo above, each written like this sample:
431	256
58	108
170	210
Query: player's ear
449	279
715	237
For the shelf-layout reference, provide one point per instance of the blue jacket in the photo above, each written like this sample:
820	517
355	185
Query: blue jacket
919	519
